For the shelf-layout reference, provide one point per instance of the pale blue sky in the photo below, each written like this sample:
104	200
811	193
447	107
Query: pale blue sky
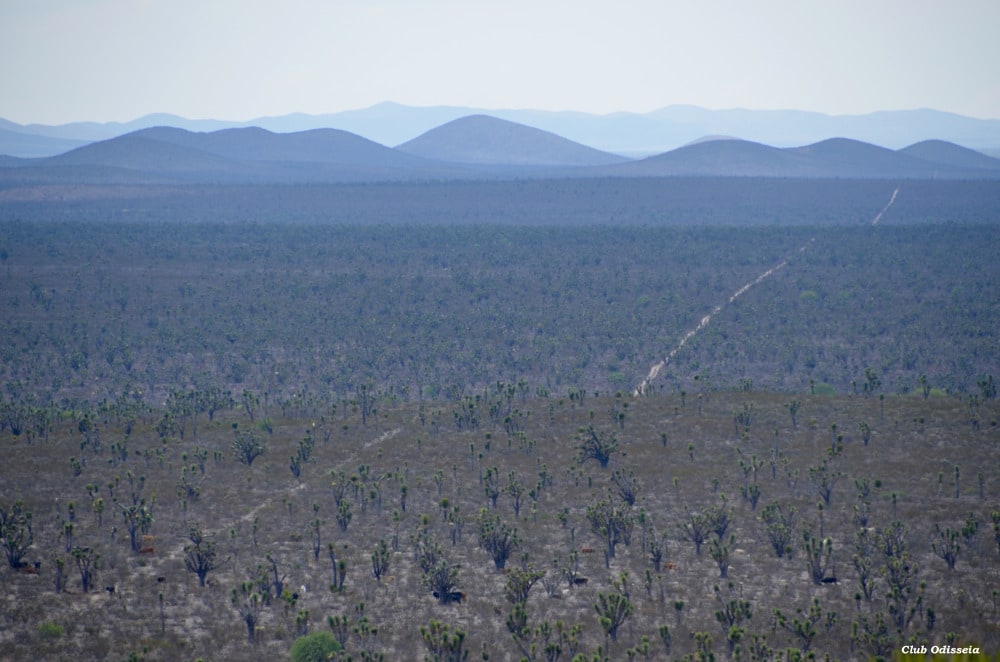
69	60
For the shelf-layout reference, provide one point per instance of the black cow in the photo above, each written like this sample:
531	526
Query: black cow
452	596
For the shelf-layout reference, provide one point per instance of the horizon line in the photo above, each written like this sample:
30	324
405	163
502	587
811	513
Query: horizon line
481	109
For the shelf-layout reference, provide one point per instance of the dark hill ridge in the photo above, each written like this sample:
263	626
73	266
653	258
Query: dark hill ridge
941	152
243	154
486	140
135	151
836	157
725	158
843	157
312	146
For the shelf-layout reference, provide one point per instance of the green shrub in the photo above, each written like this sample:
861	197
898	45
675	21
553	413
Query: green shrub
315	647
50	630
822	388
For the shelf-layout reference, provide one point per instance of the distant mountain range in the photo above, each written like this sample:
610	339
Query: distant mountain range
628	134
473	147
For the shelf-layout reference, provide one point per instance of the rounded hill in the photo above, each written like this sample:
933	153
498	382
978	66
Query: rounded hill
485	140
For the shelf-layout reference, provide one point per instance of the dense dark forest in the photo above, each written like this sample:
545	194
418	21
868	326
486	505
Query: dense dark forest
401	421
686	201
92	310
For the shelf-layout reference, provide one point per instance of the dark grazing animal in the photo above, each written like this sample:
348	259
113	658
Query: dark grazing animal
452	596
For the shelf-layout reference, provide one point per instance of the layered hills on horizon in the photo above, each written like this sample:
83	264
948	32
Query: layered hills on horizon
472	147
629	134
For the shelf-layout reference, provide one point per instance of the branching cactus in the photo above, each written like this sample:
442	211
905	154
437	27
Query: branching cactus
866	432
340	626
302	622
344	514
442	579
905	594
491	485
734	612
778	524
138	518
613	609
519	583
596	446
380	559
517	625
201	556
611	522
627	484
315	528
946	547
87	562
865	550
744	417
515	493
60	578
15	532
444	644
819	553
496	537
793	411
366	632
247	447
806	625
656	547
666	638
824	478
719	550
249	605
719	518
696	529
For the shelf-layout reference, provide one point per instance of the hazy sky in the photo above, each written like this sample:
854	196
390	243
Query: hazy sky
67	60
